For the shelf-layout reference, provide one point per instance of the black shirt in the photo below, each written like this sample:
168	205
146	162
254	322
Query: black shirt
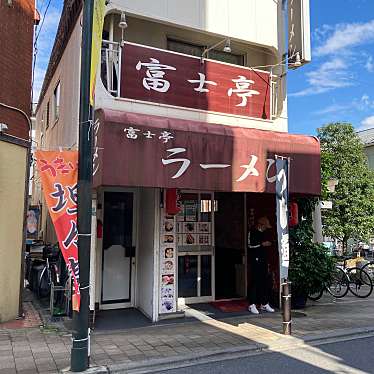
256	251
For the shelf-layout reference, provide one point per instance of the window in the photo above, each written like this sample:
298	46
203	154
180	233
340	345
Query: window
42	129
197	50
47	116
230	58
186	48
56	102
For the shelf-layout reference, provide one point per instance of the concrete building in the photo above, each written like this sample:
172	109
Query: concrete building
16	41
367	138
190	101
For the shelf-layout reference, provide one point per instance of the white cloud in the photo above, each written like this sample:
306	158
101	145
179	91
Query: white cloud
334	108
38	82
347	36
335	49
367	123
330	75
370	65
363	104
320	33
44	46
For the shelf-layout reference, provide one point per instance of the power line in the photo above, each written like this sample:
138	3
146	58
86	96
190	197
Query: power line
41	26
36	50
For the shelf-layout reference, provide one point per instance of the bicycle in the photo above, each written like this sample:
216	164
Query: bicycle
338	286
353	279
50	272
360	283
369	268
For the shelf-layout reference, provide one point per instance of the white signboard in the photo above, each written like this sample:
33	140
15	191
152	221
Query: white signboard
326	204
299	50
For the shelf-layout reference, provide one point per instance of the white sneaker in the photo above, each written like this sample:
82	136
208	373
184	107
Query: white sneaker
267	308
252	308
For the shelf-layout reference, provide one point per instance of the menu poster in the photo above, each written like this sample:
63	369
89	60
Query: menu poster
180	215
167	266
168	239
189	227
204	239
168	225
190	210
189	239
204	227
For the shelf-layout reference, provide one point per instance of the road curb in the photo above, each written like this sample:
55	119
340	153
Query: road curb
159	364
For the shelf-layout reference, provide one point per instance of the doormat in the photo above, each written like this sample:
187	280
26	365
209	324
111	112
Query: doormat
231	306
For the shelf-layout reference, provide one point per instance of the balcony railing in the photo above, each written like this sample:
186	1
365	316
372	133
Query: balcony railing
111	75
110	66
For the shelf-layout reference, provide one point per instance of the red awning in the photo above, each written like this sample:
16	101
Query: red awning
149	151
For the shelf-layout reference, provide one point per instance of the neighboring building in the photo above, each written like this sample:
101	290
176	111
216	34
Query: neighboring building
16	43
367	138
171	114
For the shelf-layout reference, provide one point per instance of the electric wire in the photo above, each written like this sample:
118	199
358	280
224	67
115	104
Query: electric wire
36	51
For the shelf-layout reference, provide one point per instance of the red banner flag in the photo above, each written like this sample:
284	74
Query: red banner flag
59	176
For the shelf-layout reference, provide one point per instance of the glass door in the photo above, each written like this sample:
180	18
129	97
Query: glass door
118	248
195	247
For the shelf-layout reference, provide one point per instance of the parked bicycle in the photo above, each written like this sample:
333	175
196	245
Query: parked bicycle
360	283
369	268
50	272
338	286
353	279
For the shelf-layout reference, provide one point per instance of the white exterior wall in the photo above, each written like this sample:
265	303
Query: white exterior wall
145	256
143	31
254	21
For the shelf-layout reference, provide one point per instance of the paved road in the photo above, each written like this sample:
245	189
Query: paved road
353	356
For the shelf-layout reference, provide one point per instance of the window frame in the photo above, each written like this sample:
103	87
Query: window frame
202	48
56	101
47	110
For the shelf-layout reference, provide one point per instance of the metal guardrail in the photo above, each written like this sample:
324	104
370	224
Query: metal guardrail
110	66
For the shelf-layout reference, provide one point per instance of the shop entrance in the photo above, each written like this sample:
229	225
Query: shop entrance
195	248
229	222
118	250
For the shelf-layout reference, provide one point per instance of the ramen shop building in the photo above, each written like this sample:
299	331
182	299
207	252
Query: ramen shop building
190	114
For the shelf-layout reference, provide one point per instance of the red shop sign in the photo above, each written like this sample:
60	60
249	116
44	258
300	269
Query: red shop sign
159	76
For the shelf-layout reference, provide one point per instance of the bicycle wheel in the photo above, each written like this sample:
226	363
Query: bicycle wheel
369	268
316	296
338	286
44	284
360	283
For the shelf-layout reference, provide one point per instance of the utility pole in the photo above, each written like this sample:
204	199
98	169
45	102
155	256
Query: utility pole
80	348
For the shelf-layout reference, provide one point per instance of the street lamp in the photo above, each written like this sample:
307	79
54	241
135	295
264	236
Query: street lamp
226	48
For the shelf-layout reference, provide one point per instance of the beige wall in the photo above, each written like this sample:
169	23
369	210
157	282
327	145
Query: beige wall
64	132
12	194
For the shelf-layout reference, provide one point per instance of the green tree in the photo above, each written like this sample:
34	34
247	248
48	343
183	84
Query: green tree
343	158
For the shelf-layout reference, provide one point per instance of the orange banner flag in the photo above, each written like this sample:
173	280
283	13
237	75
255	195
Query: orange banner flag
59	175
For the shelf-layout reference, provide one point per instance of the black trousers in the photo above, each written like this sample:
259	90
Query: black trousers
259	287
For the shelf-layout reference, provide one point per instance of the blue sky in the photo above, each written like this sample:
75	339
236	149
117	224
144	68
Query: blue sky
45	40
338	85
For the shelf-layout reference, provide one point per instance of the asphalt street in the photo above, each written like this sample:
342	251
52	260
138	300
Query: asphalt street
352	356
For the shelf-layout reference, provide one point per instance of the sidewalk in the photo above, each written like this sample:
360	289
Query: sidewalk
46	350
